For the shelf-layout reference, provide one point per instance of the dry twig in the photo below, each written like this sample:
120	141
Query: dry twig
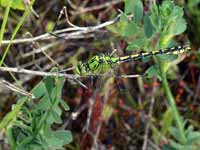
14	88
144	146
75	33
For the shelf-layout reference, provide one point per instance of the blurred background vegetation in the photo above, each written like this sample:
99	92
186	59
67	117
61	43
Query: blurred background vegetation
112	112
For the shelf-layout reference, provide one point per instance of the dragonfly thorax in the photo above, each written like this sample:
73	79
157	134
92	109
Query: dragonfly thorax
96	65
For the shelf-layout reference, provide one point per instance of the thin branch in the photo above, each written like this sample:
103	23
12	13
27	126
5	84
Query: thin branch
75	33
58	74
144	146
38	73
14	88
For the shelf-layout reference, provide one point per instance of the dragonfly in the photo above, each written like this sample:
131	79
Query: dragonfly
102	63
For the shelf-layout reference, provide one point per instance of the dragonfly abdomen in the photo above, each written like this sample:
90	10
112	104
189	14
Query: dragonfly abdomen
102	63
172	50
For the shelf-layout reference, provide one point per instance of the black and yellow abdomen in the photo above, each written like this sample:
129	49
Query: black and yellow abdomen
102	63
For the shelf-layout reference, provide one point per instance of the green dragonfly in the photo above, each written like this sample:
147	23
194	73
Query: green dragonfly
102	63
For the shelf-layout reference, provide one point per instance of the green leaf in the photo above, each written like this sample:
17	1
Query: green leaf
49	84
11	116
136	44
47	130
57	91
138	11
135	7
56	112
193	137
10	137
167	147
130	29
192	3
153	71
64	105
155	18
176	134
180	26
178	146
148	27
39	90
167	121
156	134
64	135
123	17
166	8
167	58
19	24
129	6
44	104
4	22
54	143
16	4
54	115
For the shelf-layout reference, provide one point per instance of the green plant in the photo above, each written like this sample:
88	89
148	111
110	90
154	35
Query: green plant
16	4
155	30
29	125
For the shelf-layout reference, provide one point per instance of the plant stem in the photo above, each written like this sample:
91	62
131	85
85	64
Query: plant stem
172	103
5	19
11	139
16	30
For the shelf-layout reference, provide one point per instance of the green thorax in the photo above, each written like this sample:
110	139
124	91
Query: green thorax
96	65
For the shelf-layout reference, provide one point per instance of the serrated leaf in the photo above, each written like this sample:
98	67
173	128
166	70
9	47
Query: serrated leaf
16	4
